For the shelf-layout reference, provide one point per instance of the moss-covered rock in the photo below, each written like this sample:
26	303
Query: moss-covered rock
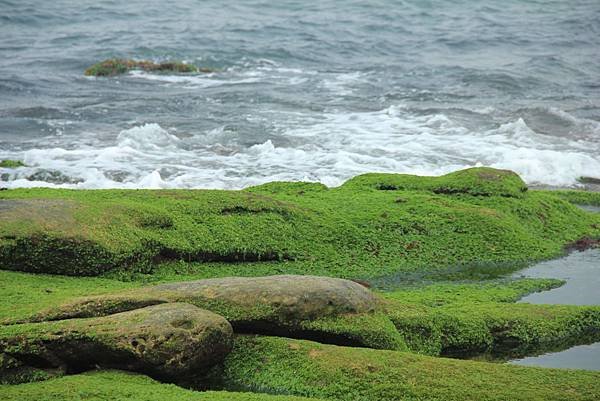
285	366
325	309
580	197
354	231
477	181
112	67
169	341
7	163
464	320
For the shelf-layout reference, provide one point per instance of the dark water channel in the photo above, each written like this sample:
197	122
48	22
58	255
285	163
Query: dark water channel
581	271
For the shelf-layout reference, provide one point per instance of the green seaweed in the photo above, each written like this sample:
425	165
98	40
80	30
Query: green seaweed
353	231
304	368
116	66
472	319
117	385
7	163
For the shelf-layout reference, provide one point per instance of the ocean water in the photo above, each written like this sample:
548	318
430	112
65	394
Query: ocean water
317	91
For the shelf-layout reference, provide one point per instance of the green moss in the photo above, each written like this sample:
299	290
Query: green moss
116	385
112	67
11	163
473	319
354	231
363	330
480	181
284	366
25	294
580	197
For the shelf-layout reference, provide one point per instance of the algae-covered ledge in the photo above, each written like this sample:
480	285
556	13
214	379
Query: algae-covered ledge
372	226
141	281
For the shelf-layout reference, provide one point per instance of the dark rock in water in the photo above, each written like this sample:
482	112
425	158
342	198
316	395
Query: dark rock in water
589	180
321	308
112	67
170	342
54	177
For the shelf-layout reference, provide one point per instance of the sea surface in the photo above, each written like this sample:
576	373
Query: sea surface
317	91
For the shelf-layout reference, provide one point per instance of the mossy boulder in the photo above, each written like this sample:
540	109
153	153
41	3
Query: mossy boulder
116	66
284	298
476	181
170	342
322	308
7	163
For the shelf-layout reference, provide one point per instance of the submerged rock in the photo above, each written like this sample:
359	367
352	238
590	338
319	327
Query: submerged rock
54	177
112	67
169	341
589	180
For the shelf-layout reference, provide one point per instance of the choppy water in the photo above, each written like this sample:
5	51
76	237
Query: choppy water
305	90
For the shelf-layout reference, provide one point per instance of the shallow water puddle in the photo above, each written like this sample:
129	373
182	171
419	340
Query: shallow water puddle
578	357
581	270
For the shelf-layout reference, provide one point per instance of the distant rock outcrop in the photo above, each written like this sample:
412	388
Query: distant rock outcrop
115	66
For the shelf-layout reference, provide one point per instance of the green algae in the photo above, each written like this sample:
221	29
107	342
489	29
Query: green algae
477	181
580	197
296	367
375	226
25	294
455	319
472	319
354	231
117	385
7	163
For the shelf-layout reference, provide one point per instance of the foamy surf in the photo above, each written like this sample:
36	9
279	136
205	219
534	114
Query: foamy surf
329	149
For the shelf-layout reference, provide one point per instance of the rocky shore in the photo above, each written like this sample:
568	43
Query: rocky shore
381	289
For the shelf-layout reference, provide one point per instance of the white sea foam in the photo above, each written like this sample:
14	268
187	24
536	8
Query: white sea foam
328	149
193	81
